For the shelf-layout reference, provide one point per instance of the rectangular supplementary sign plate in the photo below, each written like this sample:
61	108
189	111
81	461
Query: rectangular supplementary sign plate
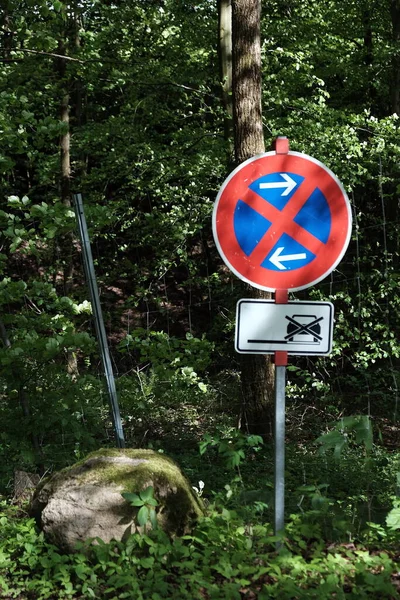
263	327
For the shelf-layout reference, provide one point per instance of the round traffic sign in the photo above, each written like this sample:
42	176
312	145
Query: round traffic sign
282	221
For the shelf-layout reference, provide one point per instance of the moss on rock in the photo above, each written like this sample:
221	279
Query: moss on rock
84	500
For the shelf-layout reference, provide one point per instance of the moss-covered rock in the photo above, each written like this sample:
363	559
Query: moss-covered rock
84	501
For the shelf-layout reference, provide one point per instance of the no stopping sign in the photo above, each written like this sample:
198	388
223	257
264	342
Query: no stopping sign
282	221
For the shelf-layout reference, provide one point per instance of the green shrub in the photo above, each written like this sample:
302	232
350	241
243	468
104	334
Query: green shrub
223	559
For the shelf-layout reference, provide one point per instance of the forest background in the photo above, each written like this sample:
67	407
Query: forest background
123	102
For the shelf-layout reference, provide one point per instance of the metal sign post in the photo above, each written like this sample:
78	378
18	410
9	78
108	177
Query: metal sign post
98	319
281	359
281	327
282	221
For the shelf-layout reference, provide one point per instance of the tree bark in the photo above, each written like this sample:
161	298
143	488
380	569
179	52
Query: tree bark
67	240
66	243
369	54
225	61
257	372
395	79
4	336
246	79
65	144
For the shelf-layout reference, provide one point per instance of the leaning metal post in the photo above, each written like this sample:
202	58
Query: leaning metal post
98	319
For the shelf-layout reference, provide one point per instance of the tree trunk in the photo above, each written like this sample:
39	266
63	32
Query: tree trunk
395	79
225	61
67	241
368	54
4	336
392	204
65	144
257	372
246	79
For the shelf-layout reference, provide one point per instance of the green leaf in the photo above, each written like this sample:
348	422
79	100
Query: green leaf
143	516
52	345
81	570
147	494
393	518
147	562
333	439
254	441
151	502
339	447
57	5
318	502
133	499
153	518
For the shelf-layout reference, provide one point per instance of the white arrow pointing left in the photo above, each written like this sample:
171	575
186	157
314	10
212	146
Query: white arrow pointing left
289	184
278	258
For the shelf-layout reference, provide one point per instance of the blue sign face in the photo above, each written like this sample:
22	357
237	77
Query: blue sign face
251	227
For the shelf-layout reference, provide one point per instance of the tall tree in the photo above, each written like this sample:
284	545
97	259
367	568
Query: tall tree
395	79
225	60
257	372
68	39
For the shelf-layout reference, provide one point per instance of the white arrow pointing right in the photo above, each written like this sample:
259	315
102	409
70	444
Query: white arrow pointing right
278	258
289	184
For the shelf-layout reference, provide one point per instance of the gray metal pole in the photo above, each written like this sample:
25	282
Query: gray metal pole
280	376
98	319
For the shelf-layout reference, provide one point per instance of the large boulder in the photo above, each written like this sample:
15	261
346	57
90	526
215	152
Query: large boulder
84	501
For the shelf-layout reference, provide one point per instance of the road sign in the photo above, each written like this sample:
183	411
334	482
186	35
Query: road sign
282	221
263	327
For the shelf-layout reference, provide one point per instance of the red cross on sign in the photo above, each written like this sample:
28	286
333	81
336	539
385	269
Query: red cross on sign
282	221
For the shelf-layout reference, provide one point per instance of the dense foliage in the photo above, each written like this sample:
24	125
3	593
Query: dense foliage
148	153
222	558
133	88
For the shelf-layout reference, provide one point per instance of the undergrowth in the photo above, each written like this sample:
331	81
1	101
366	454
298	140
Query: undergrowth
333	546
225	557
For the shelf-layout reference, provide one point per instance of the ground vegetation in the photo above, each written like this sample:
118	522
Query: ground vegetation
123	102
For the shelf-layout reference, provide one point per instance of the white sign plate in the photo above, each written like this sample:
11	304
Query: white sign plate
263	327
